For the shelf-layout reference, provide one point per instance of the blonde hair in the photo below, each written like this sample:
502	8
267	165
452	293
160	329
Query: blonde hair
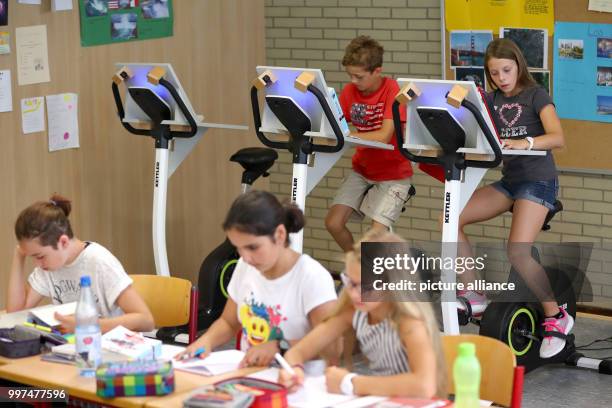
413	309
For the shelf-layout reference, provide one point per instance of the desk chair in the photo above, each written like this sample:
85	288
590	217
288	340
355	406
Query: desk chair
172	301
501	379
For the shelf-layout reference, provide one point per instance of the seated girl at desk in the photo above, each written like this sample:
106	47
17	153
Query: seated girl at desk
43	232
276	295
400	340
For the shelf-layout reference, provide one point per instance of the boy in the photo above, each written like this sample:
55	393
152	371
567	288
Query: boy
378	185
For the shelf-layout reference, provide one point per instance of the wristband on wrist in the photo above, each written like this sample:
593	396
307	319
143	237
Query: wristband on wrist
529	140
346	385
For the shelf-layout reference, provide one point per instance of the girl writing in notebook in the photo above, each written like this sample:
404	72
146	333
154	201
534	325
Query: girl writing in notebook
400	340
276	295
44	233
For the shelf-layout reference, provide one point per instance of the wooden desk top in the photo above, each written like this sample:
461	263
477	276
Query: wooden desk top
34	371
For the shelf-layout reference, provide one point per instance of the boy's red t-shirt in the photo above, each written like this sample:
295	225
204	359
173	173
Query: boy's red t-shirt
366	113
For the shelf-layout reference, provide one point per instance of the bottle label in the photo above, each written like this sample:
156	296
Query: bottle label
88	343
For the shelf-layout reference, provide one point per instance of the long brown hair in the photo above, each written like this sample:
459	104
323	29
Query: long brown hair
507	49
45	220
417	310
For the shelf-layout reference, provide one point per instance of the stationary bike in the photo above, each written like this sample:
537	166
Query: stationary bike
516	323
217	268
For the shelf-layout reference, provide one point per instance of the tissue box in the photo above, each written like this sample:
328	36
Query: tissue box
134	378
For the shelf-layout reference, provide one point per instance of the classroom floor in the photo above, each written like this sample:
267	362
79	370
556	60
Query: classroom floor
564	386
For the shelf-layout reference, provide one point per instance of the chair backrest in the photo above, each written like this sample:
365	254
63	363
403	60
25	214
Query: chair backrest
497	366
168	298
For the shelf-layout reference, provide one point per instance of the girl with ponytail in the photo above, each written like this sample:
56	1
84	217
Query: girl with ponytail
276	295
44	233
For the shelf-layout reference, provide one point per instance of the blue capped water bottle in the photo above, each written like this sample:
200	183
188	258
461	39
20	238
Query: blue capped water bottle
466	375
87	332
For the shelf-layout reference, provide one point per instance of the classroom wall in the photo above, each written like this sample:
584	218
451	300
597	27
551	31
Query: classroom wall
312	33
214	51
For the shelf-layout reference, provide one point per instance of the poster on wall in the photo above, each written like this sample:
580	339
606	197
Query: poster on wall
115	21
467	47
533	43
582	86
492	14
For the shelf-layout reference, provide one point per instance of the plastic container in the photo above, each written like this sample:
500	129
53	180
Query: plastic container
87	332
466	375
17	343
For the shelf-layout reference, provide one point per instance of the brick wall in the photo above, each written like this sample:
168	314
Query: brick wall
313	33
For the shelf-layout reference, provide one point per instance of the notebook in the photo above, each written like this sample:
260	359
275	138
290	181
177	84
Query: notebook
218	362
45	315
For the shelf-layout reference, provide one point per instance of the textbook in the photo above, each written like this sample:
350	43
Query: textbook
45	315
131	344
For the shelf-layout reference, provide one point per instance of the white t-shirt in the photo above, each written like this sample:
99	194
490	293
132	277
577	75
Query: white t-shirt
108	279
277	309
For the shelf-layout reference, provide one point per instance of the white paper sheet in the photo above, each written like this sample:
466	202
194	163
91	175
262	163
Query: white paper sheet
600	5
61	5
32	55
6	94
313	394
29	1
218	362
33	114
62	114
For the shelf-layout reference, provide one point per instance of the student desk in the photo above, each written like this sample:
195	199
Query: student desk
42	374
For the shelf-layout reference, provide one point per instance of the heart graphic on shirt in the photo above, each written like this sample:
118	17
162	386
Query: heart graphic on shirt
513	109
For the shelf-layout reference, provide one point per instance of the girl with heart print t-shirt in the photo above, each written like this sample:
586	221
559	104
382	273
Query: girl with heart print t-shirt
526	119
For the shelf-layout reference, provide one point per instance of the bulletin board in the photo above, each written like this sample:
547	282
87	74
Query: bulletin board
586	143
214	50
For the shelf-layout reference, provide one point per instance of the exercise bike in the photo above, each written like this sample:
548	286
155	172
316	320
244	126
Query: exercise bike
155	101
514	323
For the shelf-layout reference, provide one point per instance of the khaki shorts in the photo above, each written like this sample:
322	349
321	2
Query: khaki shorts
382	201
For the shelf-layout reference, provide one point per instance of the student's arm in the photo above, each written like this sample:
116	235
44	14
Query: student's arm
316	316
383	135
420	382
220	332
136	315
19	294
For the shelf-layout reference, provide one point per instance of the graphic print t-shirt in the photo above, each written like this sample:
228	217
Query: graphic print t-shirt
517	117
108	280
367	113
278	309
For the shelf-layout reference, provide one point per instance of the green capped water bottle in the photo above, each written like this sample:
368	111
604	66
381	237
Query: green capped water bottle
466	375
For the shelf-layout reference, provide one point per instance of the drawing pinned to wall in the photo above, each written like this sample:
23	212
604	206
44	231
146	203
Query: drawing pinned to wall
62	113
604	48
32	55
542	78
5	42
111	21
573	49
33	115
533	43
3	12
467	48
582	87
6	93
474	74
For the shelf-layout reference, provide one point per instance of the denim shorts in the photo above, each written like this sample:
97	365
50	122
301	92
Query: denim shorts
543	192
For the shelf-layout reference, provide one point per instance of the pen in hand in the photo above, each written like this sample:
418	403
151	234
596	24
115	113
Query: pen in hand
284	364
197	353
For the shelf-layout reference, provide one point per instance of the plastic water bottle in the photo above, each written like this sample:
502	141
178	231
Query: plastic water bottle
466	374
87	332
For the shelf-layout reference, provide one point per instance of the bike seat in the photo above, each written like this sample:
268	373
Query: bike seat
255	157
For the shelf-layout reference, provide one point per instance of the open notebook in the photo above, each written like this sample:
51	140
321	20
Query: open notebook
218	362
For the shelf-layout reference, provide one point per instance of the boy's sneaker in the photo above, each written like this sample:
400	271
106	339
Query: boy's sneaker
478	301
555	330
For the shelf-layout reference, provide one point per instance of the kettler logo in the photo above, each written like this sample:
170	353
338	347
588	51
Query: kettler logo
294	190
446	208
156	174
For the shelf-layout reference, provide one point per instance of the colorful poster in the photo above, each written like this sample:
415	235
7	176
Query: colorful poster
33	115
582	82
3	12
492	14
113	21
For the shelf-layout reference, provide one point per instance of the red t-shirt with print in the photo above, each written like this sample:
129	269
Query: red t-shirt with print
366	113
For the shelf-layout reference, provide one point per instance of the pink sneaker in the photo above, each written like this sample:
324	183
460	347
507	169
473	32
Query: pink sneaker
557	329
478	301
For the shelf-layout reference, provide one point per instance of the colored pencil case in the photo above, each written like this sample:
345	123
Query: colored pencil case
267	394
18	342
134	378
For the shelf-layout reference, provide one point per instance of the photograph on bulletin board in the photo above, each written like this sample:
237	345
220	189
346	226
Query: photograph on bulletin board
533	43
113	21
582	86
3	12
